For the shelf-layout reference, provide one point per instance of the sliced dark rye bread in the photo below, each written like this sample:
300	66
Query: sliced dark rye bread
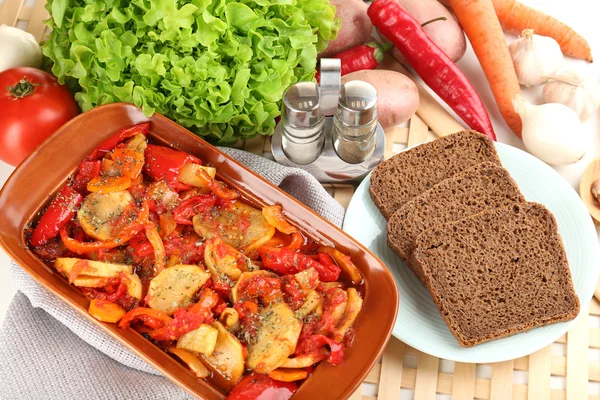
410	173
498	273
480	188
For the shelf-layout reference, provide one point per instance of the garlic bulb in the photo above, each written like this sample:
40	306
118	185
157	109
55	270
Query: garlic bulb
571	90
551	132
535	57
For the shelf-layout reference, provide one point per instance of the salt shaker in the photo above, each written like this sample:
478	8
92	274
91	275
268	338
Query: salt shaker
331	133
355	122
302	124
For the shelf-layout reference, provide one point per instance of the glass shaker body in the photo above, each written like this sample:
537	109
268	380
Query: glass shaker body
302	130
355	122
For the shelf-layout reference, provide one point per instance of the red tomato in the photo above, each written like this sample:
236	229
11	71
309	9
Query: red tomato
261	387
32	106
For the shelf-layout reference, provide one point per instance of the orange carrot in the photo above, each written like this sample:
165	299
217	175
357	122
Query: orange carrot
515	17
480	23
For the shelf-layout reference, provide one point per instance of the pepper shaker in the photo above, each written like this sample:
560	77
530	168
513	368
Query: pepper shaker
302	130
355	122
329	131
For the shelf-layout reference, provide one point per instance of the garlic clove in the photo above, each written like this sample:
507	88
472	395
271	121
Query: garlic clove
570	89
596	189
535	58
552	132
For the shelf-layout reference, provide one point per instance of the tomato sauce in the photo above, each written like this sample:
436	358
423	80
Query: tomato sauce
299	275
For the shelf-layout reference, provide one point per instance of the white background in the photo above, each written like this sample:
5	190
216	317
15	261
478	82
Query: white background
580	14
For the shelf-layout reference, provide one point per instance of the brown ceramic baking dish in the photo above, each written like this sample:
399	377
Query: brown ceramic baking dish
28	189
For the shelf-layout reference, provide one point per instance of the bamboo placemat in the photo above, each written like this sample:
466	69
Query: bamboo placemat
565	370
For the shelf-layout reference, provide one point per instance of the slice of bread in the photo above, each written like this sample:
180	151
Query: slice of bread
483	187
498	273
410	173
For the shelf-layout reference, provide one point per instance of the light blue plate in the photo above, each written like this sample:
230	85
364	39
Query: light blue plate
419	323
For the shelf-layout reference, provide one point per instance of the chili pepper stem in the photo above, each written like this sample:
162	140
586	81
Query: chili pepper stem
433	20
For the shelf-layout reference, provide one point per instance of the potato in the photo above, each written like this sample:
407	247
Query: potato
99	211
398	97
336	312
353	308
134	286
356	26
448	34
188	174
175	287
313	300
223	260
193	362
227	359
239	225
276	338
96	269
201	340
97	274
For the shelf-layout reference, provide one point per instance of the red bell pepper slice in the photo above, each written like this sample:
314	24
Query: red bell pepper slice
123	134
124	236
188	248
184	321
59	212
184	213
259	386
88	170
218	188
165	163
151	318
285	261
141	246
316	344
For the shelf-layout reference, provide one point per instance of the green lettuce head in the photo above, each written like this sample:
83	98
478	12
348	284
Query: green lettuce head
216	67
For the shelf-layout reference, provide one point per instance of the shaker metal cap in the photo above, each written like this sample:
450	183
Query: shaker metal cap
301	105
331	77
358	103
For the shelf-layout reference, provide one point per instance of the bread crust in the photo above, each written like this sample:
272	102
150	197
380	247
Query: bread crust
555	298
410	173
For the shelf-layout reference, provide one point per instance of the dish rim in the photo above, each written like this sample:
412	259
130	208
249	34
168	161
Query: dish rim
126	338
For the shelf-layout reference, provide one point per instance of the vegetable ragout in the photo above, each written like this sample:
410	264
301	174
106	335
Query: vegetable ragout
236	293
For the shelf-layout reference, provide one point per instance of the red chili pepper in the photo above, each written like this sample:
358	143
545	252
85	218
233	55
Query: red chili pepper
123	134
286	261
88	170
59	212
435	68
259	386
194	205
165	163
315	344
364	56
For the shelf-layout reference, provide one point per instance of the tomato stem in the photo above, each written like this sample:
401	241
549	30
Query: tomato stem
433	20
22	89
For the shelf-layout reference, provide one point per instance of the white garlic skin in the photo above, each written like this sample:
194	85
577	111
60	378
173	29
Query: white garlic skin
552	132
536	58
569	89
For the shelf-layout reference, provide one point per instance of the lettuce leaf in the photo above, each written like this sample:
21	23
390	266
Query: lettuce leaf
217	67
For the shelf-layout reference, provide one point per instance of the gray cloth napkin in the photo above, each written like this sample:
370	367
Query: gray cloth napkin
48	351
